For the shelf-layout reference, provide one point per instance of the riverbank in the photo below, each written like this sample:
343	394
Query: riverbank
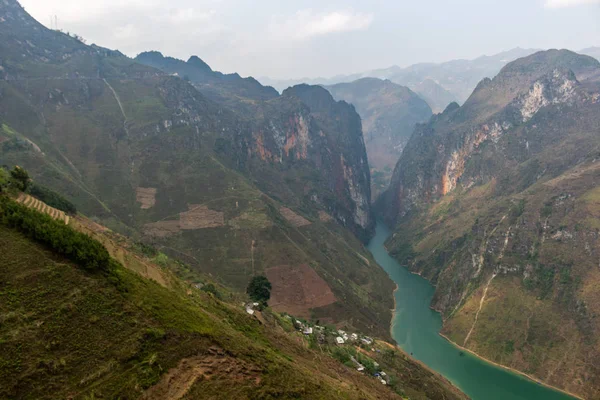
515	371
416	329
512	370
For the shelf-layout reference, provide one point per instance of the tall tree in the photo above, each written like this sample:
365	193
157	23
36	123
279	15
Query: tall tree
259	289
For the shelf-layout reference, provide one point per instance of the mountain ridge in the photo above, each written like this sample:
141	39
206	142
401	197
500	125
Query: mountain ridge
481	202
234	194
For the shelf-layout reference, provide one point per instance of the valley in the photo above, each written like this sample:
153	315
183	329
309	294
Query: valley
416	328
171	231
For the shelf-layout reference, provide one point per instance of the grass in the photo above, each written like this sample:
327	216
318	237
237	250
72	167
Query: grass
67	333
537	314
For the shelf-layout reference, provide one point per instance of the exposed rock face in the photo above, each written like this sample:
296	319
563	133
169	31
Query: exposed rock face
389	113
304	128
338	149
435	156
493	204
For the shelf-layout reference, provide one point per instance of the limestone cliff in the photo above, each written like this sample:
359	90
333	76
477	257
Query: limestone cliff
494	202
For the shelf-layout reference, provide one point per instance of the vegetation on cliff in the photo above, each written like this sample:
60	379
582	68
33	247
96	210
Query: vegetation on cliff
494	204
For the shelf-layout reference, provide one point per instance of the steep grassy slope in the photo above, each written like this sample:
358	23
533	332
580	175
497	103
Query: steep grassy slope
66	332
389	113
495	205
234	195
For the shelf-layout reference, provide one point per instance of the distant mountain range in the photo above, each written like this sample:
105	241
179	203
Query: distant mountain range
592	52
437	83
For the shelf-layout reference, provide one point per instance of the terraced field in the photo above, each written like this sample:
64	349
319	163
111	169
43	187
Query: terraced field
32	202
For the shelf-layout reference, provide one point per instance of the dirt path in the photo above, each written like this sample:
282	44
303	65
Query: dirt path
479	310
178	381
116	96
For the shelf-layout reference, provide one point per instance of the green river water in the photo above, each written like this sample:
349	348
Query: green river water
416	329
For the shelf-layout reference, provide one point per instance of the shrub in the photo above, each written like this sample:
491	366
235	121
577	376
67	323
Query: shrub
3	180
19	178
212	289
78	247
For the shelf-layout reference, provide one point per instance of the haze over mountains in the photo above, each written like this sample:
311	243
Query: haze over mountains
437	83
389	114
191	182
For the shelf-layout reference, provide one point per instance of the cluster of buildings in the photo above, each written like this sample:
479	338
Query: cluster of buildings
341	338
352	338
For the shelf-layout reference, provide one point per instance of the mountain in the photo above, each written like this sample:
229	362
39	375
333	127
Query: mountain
592	52
434	94
494	202
281	187
304	128
459	77
124	324
389	113
454	80
213	84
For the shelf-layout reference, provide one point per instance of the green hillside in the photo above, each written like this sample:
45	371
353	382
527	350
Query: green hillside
72	332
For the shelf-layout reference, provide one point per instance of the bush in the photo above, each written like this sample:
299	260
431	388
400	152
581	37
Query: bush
19	178
78	247
212	289
52	198
3	180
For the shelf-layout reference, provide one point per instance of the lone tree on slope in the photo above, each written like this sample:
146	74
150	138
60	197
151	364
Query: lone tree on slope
259	289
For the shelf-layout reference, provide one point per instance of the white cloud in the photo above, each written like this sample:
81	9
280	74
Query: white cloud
177	27
569	3
306	24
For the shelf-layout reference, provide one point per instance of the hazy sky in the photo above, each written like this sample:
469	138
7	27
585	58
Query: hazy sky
299	38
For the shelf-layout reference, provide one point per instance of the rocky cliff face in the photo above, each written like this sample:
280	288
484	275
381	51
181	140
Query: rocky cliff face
436	154
302	134
389	113
493	203
231	192
338	148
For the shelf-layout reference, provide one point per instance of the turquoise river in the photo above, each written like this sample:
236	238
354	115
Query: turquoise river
416	329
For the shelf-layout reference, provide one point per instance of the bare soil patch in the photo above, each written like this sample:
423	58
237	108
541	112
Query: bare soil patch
162	229
324	217
298	289
293	218
146	197
198	217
